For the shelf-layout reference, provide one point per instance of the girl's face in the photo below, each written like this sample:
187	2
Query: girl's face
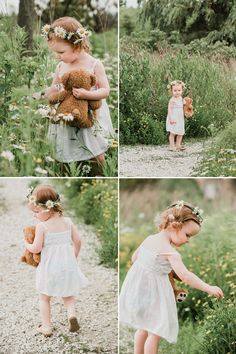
182	236
177	91
64	52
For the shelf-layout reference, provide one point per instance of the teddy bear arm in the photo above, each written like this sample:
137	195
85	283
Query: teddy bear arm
95	104
57	97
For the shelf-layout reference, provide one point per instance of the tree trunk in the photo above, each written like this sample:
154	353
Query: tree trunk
26	18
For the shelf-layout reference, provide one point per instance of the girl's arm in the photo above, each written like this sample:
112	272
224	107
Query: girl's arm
76	239
190	278
102	84
170	112
37	245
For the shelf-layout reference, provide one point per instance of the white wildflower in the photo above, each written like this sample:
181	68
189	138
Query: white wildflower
60	32
49	204
49	159
8	155
86	169
46	30
68	117
41	171
32	199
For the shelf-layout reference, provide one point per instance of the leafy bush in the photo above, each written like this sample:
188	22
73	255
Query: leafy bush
96	201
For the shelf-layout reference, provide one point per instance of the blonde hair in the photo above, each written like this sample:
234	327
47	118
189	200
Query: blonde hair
70	24
45	193
176	216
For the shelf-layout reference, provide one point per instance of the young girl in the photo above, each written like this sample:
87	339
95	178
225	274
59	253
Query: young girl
69	41
58	240
175	117
147	300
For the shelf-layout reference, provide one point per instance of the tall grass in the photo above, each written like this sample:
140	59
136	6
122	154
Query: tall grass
144	95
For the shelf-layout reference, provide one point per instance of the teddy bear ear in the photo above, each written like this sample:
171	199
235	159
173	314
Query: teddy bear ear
65	78
93	80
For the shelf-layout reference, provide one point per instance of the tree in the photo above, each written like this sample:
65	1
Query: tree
194	19
26	18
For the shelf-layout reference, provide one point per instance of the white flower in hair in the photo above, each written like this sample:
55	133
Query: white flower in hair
179	204
60	32
49	204
32	199
30	190
171	217
198	212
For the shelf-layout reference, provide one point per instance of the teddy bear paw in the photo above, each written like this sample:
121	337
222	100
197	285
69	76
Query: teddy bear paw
181	296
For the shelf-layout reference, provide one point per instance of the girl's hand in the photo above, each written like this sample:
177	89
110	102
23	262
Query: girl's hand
80	93
215	291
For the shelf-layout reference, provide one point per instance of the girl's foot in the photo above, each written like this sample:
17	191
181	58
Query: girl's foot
73	324
45	330
172	148
180	148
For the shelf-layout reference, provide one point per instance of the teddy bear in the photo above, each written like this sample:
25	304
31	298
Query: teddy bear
75	112
180	294
188	107
28	257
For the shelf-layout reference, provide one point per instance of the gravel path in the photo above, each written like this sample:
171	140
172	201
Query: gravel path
159	161
19	315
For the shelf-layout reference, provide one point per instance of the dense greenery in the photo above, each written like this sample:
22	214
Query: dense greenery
207	325
24	147
96	202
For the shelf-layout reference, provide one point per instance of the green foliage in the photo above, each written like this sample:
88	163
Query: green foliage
96	201
220	158
144	96
214	20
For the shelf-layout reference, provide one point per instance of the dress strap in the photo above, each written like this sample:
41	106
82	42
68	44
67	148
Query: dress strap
44	226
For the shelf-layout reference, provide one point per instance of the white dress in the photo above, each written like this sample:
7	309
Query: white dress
80	144
147	300
178	116
58	273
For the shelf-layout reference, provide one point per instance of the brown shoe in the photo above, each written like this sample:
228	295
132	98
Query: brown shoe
73	324
45	330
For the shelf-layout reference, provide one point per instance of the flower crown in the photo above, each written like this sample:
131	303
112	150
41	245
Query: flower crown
79	35
195	210
49	204
176	82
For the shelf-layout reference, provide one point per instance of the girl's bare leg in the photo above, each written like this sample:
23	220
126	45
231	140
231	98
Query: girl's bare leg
100	158
179	141
151	344
172	140
139	341
45	309
69	303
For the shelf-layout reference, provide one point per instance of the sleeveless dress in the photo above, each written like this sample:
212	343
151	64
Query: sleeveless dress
178	116
147	300
58	273
80	144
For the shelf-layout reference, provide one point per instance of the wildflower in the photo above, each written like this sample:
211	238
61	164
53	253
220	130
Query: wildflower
32	199
49	159
45	30
41	171
8	155
44	111
86	169
179	204
60	32
49	204
68	117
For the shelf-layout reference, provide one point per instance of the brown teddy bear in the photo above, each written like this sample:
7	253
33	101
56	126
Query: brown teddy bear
76	112
180	294
188	107
28	257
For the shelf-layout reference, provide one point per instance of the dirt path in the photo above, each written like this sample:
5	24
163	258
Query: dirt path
158	161
97	305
